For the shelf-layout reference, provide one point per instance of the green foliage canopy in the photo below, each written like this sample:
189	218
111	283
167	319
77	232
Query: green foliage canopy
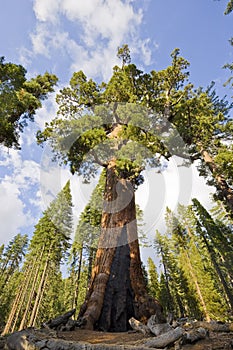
19	100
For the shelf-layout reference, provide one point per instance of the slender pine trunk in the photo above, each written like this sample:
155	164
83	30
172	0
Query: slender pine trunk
17	304
198	289
39	292
77	280
170	306
90	263
32	291
40	298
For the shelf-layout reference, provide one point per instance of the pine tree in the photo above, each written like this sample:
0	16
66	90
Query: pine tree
195	111
1	254
197	263
153	280
218	242
19	100
176	295
11	258
48	248
220	214
229	7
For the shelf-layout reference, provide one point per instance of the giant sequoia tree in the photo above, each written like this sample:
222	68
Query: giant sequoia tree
123	126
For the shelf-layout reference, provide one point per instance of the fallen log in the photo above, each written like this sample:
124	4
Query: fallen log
165	339
30	339
138	326
60	320
157	328
194	335
214	326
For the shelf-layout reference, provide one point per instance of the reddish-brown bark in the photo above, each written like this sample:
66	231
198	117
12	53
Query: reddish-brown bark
117	290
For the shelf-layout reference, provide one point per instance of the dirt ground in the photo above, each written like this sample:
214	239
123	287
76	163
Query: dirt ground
215	341
124	338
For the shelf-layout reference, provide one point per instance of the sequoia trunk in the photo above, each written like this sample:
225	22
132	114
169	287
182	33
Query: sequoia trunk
117	289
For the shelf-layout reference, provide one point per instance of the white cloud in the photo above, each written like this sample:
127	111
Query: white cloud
201	190
88	33
144	49
93	65
46	10
41	40
47	112
43	115
25	56
11	213
21	176
18	169
20	179
105	19
28	187
176	185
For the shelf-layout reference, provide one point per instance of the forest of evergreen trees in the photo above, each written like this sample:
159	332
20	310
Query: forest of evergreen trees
194	278
49	272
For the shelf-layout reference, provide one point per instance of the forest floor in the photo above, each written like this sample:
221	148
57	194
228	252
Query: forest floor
215	340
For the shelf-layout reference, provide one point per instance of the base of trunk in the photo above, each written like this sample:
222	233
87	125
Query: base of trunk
118	306
125	295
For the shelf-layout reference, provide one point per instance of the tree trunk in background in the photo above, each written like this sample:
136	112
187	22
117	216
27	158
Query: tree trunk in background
21	298
39	292
219	273
166	278
77	281
17	304
117	289
198	289
90	263
32	292
221	183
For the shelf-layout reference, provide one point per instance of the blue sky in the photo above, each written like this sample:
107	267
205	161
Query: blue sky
63	36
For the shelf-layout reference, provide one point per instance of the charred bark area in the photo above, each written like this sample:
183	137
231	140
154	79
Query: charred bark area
144	304
118	306
117	289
